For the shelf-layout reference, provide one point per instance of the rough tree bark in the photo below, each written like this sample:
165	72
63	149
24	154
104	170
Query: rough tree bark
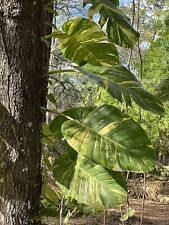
23	61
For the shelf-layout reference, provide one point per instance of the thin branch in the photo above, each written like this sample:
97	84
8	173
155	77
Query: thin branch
61	210
104	218
121	212
143	202
133	20
138	45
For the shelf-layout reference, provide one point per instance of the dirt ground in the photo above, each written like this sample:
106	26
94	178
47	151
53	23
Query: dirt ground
156	206
154	214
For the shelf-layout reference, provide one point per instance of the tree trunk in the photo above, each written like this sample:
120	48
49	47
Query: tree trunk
23	61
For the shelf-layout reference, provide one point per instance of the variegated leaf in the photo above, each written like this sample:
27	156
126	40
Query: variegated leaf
89	183
112	139
84	41
118	25
121	83
76	114
162	90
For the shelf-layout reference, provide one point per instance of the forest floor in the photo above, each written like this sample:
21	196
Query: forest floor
154	214
156	206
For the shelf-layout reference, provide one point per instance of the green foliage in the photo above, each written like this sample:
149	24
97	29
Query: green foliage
163	90
103	137
79	44
49	212
74	114
156	61
51	98
50	194
130	212
84	41
121	83
118	27
48	137
155	79
89	183
100	142
106	137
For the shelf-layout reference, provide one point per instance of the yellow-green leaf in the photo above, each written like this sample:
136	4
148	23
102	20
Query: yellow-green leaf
90	183
112	139
84	41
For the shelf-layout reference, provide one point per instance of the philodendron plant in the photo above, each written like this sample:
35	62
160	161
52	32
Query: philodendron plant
101	142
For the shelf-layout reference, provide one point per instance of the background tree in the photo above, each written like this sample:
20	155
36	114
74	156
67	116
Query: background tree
23	63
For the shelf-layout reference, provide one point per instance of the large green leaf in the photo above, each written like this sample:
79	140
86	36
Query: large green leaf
76	114
115	2
90	183
121	83
118	25
83	41
47	136
50	194
162	90
112	139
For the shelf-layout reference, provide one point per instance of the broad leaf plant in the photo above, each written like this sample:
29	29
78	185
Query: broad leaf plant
102	142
